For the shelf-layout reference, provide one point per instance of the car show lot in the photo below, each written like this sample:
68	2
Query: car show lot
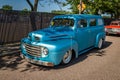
103	64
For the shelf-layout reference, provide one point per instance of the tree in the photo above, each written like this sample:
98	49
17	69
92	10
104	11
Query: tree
113	8
32	14
25	9
33	6
73	4
91	6
97	6
7	7
105	6
60	12
34	9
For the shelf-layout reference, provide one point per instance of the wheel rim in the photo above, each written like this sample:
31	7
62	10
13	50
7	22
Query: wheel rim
100	43
67	57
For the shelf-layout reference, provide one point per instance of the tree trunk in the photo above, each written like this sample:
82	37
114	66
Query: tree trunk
35	5
117	14
32	14
32	19
30	4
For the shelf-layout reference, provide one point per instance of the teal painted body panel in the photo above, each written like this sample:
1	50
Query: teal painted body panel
50	44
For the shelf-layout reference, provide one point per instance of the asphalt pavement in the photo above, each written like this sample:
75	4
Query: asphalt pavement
103	64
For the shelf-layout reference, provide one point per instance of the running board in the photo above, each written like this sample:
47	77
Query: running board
85	50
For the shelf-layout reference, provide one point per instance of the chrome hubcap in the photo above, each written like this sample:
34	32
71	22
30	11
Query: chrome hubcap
100	43
67	57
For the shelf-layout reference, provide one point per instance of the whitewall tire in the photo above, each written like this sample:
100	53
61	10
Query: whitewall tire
67	57
100	43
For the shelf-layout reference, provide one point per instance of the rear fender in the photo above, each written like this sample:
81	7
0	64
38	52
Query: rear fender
98	37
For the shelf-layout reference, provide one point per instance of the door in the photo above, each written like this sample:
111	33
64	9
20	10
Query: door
82	34
93	31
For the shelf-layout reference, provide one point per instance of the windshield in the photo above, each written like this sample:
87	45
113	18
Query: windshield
58	22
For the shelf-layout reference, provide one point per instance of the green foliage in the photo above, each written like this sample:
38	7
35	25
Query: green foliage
97	6
61	12
25	9
7	7
73	4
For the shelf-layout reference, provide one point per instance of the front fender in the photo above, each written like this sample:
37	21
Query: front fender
68	44
61	47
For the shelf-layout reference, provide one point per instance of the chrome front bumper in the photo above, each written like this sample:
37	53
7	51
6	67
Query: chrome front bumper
112	31
37	62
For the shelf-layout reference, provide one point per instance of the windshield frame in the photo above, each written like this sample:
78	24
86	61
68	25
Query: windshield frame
63	25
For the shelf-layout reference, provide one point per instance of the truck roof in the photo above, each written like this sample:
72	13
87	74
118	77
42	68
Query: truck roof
78	16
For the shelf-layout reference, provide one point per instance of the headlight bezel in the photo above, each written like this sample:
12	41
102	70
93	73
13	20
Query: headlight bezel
44	51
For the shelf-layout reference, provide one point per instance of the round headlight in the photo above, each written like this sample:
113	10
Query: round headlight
23	45
28	36
45	51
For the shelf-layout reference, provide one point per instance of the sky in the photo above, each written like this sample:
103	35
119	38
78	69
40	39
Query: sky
42	5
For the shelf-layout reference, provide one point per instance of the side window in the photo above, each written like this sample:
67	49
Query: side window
92	22
82	23
100	22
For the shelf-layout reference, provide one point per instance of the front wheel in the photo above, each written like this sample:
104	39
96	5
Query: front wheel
100	43
67	57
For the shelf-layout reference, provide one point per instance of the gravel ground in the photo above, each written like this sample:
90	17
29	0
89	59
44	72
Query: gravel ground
96	64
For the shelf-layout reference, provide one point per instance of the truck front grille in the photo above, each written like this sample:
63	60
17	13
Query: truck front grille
33	50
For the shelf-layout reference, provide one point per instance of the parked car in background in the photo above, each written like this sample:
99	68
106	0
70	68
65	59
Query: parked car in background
113	28
66	37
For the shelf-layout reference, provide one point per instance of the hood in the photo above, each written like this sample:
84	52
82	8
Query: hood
54	33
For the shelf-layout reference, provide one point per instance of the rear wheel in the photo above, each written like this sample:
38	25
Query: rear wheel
67	57
100	43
